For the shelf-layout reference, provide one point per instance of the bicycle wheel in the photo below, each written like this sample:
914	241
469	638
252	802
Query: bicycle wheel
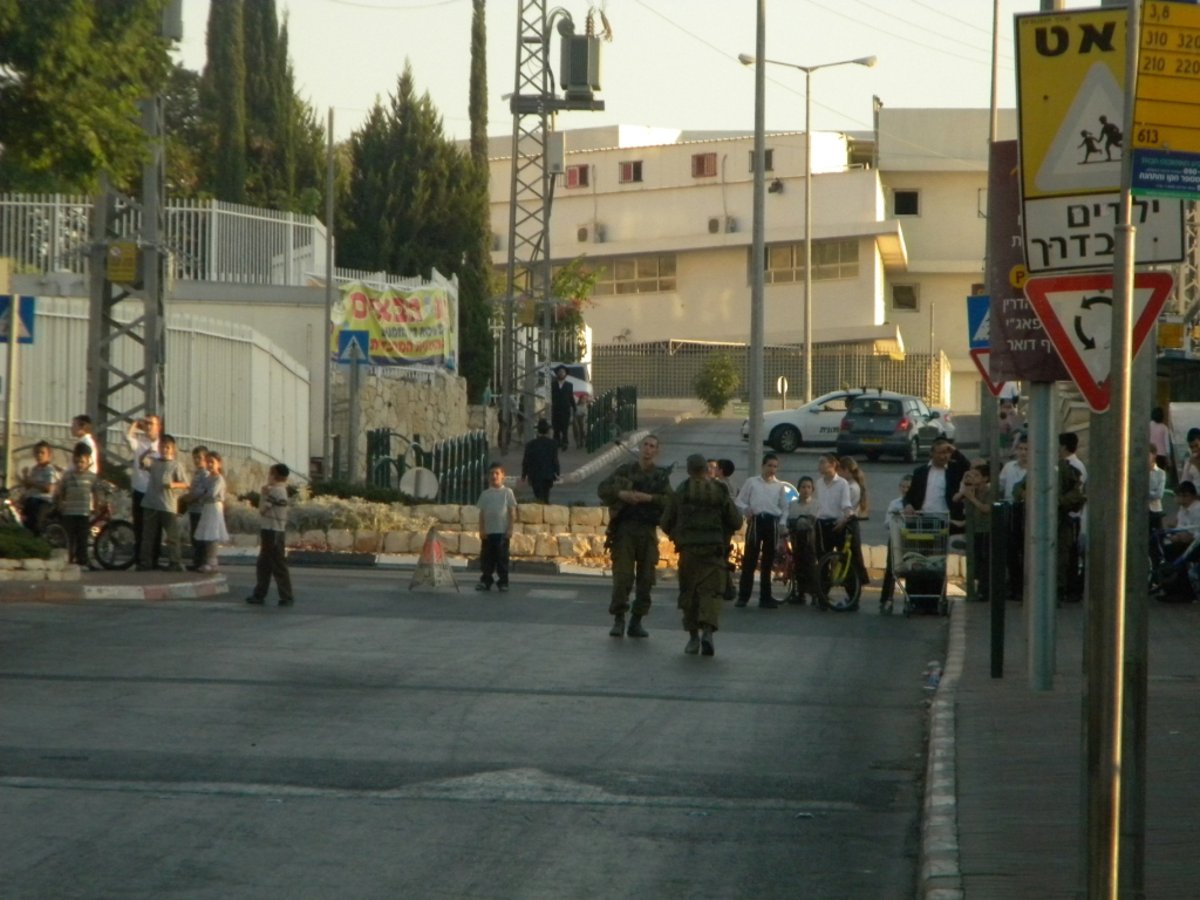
839	584
55	535
115	545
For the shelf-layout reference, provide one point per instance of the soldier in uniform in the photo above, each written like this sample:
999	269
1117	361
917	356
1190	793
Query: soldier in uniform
635	494
700	516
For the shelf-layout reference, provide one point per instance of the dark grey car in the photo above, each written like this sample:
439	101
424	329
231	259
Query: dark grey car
895	424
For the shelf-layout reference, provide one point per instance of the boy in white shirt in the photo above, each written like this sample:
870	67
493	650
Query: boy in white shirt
497	513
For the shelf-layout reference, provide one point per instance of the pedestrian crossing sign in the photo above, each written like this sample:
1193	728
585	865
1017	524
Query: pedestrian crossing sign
25	308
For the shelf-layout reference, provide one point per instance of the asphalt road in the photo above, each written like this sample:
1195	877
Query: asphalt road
377	742
722	438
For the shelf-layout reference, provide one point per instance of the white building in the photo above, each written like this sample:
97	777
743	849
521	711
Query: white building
898	231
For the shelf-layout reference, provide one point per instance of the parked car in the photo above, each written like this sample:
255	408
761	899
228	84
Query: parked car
811	424
879	422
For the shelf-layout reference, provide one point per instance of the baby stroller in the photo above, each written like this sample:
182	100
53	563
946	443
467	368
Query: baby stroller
919	543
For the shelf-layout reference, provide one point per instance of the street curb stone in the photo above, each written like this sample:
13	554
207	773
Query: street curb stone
940	871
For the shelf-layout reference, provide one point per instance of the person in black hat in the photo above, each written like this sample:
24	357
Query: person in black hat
539	466
562	406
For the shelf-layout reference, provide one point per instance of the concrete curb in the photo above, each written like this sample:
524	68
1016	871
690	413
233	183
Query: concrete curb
940	869
71	592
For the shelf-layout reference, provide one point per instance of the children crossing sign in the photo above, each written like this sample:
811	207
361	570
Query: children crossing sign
1071	106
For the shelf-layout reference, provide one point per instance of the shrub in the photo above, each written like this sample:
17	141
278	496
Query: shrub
19	543
717	383
346	490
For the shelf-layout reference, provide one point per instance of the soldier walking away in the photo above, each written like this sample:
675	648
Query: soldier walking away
699	517
635	494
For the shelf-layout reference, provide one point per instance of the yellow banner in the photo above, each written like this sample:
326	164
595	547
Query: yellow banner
403	326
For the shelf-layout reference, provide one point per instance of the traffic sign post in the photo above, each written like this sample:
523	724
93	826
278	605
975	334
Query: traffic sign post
1077	313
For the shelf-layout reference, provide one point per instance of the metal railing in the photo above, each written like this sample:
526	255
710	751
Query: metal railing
460	463
610	415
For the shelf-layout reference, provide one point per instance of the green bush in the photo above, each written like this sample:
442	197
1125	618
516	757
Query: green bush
18	543
717	383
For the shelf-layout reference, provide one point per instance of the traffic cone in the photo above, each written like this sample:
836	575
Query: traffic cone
433	570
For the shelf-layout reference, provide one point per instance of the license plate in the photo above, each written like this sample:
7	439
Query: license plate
872	440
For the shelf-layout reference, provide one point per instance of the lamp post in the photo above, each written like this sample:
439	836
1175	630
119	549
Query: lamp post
747	60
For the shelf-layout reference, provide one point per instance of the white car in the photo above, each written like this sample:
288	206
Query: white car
815	423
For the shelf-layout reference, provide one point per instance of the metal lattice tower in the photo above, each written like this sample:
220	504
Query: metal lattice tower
532	186
114	394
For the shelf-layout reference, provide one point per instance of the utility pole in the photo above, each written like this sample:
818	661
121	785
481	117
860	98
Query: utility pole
531	191
127	272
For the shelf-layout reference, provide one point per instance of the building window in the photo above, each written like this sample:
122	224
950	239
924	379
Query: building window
648	274
769	158
630	172
906	203
831	260
577	176
704	165
905	297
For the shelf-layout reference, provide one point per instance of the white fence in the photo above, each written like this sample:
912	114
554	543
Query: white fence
227	386
209	240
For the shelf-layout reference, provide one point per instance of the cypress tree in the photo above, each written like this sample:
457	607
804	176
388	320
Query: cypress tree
223	98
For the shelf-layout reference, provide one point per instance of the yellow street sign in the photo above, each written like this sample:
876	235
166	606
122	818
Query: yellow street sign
1166	111
1071	101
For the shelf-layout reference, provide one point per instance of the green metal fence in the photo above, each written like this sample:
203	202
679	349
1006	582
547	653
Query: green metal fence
610	415
460	463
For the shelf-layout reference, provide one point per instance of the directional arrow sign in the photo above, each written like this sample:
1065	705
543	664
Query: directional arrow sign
1076	311
980	357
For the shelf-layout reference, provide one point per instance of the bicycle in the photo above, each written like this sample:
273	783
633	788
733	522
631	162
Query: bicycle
838	584
112	540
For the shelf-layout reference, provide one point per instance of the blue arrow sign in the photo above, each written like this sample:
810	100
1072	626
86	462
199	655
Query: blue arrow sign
26	307
979	322
354	346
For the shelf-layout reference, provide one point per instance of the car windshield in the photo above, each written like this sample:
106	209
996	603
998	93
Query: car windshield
875	406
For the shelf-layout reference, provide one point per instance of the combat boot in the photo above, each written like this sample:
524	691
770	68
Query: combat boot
636	629
693	644
706	642
618	629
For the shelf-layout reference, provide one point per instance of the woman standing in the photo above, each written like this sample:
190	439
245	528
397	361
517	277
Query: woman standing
857	481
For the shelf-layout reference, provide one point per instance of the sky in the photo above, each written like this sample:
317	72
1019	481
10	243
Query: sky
671	63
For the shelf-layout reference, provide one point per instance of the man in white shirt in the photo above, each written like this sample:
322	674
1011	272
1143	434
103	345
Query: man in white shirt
1014	471
834	507
763	502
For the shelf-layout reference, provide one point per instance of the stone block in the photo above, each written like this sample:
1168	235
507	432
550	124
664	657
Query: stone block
521	545
314	538
597	547
469	543
574	546
10	564
546	547
468	517
35	565
559	517
71	573
395	542
58	554
450	540
56	563
339	539
445	513
584	517
244	540
530	513
366	542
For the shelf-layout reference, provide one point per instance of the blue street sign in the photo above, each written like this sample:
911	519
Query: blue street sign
979	322
26	307
354	346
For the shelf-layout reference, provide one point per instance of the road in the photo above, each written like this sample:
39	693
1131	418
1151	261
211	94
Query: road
717	438
377	742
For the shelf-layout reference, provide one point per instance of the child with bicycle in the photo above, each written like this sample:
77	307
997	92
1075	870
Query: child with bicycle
39	482
76	494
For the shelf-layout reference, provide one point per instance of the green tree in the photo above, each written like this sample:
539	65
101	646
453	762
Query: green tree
717	383
72	76
187	133
223	100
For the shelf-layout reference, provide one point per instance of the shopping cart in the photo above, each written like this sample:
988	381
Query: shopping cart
920	542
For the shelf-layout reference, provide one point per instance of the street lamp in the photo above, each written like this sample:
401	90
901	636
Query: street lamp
747	60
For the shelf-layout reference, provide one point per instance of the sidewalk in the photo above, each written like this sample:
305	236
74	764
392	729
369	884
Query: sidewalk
116	585
1009	774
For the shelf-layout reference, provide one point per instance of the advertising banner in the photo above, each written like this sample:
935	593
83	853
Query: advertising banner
404	326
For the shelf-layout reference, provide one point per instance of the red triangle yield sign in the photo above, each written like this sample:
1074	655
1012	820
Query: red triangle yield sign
1076	311
980	358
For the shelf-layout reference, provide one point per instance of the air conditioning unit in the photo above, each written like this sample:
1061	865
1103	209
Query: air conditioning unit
497	243
731	224
717	224
592	232
714	224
